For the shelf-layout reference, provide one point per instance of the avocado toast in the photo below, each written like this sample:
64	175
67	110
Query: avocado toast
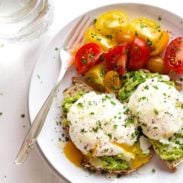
109	155
158	107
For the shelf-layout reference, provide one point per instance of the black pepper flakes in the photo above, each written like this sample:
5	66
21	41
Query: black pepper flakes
118	176
159	18
22	115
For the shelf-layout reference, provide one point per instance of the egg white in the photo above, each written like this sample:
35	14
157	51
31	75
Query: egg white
97	125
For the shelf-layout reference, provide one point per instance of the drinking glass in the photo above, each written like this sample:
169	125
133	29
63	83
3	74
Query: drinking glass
21	20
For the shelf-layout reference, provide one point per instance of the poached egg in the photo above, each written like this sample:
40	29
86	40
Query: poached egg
157	106
98	126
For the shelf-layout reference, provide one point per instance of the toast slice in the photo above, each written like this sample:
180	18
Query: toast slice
112	164
78	86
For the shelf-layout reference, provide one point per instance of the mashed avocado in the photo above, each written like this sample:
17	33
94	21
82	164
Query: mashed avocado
171	151
68	101
131	80
114	163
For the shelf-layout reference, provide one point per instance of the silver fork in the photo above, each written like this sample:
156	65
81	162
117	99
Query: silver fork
74	38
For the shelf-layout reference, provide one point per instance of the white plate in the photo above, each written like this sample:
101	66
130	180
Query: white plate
42	82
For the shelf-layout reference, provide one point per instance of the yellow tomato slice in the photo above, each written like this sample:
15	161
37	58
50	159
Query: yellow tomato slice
161	44
147	29
105	42
111	21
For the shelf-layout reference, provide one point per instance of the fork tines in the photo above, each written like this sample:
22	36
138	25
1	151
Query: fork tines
76	34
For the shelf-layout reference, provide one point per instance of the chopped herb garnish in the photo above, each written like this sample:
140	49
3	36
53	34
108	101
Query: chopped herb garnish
142	26
115	127
156	111
38	76
105	150
102	72
84	61
127	110
99	124
146	87
1	113
94	21
56	49
159	18
107	97
149	43
109	135
129	121
95	129
109	36
82	130
102	58
91	55
144	124
98	39
113	103
153	170
155	87
142	98
80	105
92	113
118	176
135	134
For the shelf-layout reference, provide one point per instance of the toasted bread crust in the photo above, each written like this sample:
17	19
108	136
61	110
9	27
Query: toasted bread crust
172	165
92	168
78	85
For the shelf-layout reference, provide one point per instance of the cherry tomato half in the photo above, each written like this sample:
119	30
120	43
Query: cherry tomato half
112	81
139	54
86	57
174	56
156	64
125	36
116	58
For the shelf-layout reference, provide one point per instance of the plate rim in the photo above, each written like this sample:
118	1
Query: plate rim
40	151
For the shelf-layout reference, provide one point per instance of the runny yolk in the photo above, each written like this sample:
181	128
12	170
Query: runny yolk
140	158
73	154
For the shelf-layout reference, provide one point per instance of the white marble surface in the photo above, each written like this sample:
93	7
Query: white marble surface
16	64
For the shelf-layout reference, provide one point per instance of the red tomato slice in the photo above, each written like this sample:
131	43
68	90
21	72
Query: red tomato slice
86	57
116	58
139	54
173	59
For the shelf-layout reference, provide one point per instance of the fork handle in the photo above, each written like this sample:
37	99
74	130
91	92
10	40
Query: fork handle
35	129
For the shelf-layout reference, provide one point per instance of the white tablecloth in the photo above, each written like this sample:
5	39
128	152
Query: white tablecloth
16	65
